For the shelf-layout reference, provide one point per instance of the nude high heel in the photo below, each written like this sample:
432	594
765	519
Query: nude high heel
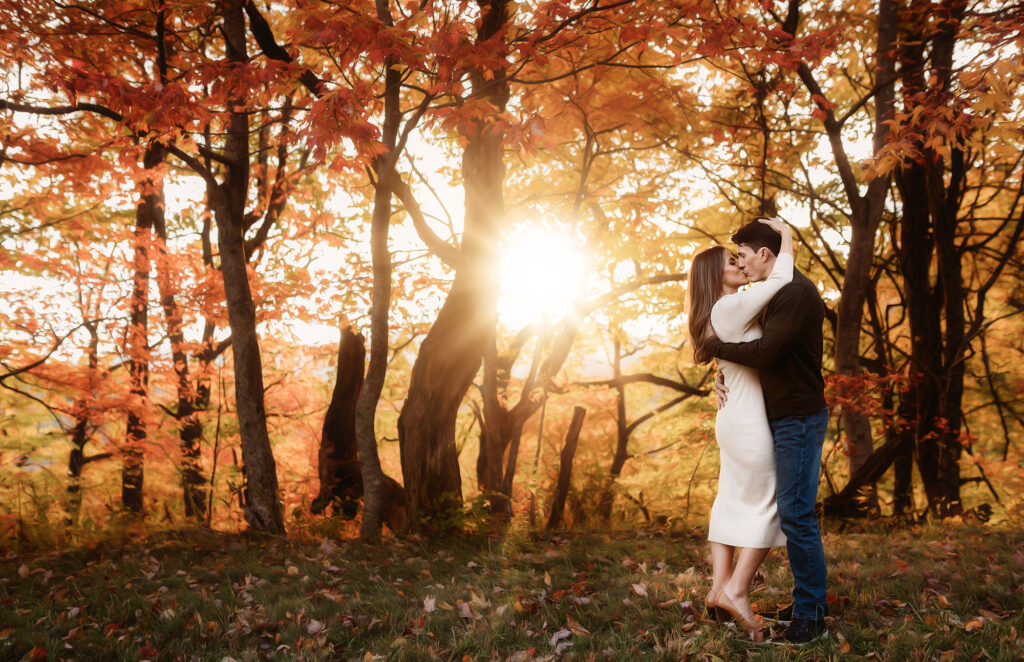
712	608
752	627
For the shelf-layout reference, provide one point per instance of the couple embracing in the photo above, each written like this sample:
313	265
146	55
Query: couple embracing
771	423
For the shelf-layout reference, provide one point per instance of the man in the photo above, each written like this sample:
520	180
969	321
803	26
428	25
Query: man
788	358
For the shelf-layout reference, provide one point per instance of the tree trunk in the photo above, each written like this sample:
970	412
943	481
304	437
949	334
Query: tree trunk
369	395
947	426
444	369
903	464
263	510
80	433
607	502
923	314
944	196
495	434
931	205
339	465
190	427
565	468
150	205
502	428
865	215
338	459
450	354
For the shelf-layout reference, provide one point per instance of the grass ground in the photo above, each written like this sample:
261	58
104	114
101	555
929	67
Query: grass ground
940	592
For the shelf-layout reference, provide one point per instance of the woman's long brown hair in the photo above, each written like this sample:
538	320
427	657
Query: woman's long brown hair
705	287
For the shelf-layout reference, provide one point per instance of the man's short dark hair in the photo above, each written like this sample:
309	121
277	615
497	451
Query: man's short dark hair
757	235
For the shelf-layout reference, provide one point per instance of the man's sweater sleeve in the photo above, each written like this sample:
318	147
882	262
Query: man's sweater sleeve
784	318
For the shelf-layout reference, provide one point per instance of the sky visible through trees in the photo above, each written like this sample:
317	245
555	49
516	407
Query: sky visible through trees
503	200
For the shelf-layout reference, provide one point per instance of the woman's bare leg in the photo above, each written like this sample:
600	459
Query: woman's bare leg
734	597
737	587
721	565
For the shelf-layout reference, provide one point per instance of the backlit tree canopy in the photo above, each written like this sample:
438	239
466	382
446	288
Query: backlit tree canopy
503	199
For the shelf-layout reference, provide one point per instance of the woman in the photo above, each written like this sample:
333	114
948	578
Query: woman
744	515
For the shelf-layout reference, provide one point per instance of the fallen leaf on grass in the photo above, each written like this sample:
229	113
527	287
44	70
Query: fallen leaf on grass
465	611
314	627
429	604
558	636
640	589
844	645
575	626
974	624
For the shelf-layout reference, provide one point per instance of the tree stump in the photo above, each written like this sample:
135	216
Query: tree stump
341	481
565	467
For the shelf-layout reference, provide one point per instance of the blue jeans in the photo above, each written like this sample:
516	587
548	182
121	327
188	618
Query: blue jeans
798	441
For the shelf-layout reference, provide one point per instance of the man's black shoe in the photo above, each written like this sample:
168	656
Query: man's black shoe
783	616
803	631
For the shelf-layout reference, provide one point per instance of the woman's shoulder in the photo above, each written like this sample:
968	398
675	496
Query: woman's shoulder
725	301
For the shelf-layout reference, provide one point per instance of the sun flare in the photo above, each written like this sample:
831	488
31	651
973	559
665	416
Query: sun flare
542	276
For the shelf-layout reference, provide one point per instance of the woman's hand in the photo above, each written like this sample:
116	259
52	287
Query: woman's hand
783	229
776	224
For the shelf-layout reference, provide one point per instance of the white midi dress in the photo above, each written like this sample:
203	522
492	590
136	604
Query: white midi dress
744	513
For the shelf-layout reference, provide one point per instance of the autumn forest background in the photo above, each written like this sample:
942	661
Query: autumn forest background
347	329
371	259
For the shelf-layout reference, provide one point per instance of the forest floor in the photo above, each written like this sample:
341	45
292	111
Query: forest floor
937	592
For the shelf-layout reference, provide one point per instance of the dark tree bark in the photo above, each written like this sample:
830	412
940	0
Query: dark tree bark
931	203
930	259
190	427
565	468
190	400
80	432
902	434
604	508
380	491
150	205
339	460
373	480
263	510
451	353
865	213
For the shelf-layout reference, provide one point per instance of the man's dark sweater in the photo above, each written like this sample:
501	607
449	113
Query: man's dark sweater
788	355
